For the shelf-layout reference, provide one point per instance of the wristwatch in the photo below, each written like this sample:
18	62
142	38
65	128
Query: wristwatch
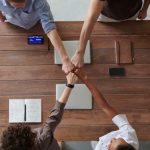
70	85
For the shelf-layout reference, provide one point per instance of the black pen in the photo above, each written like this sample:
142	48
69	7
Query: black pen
25	112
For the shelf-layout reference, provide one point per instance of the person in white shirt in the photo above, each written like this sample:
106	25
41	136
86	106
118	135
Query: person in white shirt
125	137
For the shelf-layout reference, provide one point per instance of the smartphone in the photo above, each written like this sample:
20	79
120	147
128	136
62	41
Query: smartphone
117	71
35	39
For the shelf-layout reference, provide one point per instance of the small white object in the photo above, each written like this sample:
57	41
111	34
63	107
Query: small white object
71	47
80	97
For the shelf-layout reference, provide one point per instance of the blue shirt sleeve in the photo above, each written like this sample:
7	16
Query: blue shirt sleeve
46	16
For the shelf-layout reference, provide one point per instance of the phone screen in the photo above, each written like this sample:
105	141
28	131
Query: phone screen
38	39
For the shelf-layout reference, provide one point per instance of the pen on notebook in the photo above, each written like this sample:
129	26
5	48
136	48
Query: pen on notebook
25	112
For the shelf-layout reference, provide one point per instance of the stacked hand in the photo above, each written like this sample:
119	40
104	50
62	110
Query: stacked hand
67	66
77	60
142	14
71	78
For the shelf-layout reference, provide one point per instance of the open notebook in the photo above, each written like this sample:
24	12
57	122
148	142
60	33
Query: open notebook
80	97
24	110
71	47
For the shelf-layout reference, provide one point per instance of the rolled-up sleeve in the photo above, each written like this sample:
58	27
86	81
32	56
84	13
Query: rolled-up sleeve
54	118
120	120
46	17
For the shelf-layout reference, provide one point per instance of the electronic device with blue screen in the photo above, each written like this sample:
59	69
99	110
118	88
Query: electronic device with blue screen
35	39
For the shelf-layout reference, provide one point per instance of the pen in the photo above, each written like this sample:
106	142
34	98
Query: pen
25	112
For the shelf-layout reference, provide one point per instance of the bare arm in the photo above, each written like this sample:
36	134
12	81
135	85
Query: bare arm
71	79
92	15
143	12
100	100
57	43
146	4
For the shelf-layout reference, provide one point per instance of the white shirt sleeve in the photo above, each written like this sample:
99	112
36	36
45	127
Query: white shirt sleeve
126	130
120	120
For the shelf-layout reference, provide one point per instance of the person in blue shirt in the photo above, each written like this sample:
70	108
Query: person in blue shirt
26	13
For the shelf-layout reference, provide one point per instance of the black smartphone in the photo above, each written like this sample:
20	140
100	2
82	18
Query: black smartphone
117	71
35	39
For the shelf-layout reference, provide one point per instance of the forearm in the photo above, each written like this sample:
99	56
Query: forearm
57	43
96	94
99	98
146	5
93	13
65	95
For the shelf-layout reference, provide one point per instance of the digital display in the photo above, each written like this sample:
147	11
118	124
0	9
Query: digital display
38	39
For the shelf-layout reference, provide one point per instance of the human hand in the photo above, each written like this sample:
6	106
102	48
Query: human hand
2	18
67	66
142	14
77	60
71	78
